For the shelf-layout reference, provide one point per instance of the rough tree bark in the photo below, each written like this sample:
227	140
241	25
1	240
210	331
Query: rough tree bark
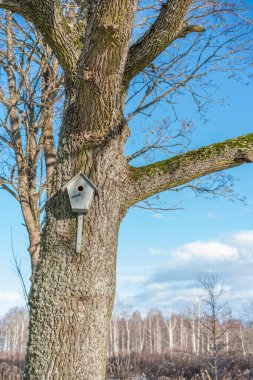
72	295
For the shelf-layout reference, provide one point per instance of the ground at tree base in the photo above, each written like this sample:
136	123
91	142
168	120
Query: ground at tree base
153	367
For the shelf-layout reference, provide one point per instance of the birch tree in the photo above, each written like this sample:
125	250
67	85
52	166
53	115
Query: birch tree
171	326
106	58
13	334
217	321
31	87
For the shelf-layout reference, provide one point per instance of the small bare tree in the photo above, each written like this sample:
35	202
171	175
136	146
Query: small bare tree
216	320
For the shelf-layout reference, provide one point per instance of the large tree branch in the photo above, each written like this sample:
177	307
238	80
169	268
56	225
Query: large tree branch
163	175
168	26
9	190
48	18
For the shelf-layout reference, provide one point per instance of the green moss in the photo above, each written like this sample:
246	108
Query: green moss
78	44
81	157
245	143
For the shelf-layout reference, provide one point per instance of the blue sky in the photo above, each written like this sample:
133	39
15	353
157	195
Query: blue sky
160	255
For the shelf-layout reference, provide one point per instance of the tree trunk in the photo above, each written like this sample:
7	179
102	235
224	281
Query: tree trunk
77	289
72	296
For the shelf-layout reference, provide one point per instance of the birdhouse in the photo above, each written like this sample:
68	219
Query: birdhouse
81	192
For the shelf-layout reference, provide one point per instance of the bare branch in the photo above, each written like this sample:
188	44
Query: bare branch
163	175
48	18
214	185
182	70
18	268
9	190
163	138
168	26
156	206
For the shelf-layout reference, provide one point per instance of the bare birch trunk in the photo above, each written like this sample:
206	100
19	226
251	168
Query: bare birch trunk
242	342
171	324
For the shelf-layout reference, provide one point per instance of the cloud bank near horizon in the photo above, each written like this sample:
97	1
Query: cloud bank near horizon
173	283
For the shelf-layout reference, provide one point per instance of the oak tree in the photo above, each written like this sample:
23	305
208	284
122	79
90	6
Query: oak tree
102	53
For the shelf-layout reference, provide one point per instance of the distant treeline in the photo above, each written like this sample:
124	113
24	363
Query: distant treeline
154	334
196	346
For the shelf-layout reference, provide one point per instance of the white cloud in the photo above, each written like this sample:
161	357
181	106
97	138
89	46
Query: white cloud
159	286
9	296
174	283
157	251
205	251
132	279
244	238
157	215
9	300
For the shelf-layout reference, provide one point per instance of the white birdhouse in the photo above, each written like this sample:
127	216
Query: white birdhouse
81	192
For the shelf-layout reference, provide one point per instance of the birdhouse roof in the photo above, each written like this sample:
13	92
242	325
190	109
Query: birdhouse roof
85	178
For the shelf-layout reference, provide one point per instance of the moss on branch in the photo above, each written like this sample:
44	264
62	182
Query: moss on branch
154	178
